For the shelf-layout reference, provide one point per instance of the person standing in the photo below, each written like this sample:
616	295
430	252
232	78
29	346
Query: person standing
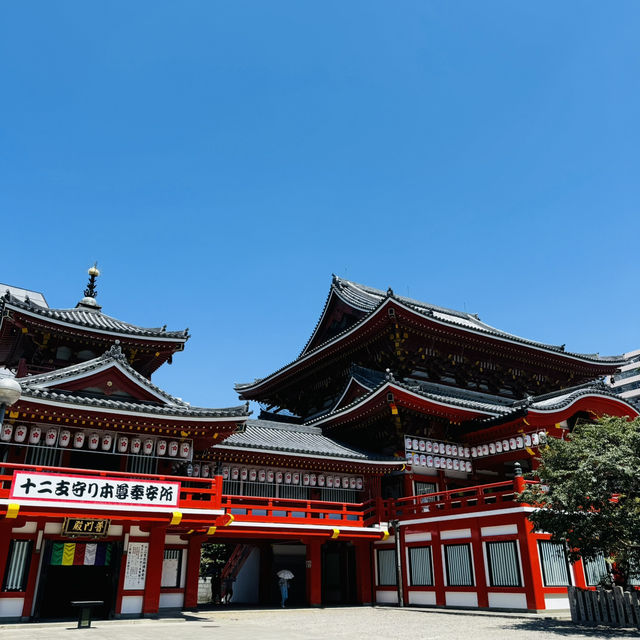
284	590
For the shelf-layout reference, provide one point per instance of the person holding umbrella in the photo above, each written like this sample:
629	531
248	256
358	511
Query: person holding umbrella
284	576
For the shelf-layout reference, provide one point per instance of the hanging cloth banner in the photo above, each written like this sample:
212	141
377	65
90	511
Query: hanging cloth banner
79	553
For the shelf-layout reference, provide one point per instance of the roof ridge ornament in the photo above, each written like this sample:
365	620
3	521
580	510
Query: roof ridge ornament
389	292
116	352
91	291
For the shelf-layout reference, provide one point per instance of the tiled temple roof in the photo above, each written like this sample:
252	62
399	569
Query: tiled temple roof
286	438
91	318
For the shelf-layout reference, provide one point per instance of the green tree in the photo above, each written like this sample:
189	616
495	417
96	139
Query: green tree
589	493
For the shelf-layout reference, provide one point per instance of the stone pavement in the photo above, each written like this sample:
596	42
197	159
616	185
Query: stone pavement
354	623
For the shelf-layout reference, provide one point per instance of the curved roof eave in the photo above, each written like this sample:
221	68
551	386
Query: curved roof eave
498	336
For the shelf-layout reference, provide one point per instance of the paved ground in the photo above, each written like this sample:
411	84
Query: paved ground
354	623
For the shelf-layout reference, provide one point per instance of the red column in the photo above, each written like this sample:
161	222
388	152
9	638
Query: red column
314	572
438	568
30	590
478	566
530	565
151	600
193	572
364	567
5	541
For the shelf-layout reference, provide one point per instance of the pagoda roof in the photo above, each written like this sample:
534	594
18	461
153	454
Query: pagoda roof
299	440
462	403
88	317
64	386
370	302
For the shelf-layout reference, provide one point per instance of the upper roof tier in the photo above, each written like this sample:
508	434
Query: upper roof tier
47	338
378	329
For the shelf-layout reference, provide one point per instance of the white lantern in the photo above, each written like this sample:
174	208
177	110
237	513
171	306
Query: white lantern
485	449
6	433
78	439
253	475
296	478
161	447
449	463
279	477
225	473
408	443
474	452
456	464
534	439
527	440
173	449
305	479
415	444
313	480
416	458
94	441
35	435
519	442
243	473
336	482
235	473
429	446
123	444
447	449
65	438
330	482
262	475
147	446
107	440
499	446
136	445
436	462
196	470
492	448
352	483
468	463
421	445
21	433
542	437
442	448
321	481
345	482
429	461
454	450
205	470
185	449
270	475
423	460
359	484
409	457
467	452
512	443
287	477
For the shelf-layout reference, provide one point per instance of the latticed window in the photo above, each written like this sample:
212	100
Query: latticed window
420	566
504	568
43	456
555	570
15	578
458	565
387	576
141	464
595	569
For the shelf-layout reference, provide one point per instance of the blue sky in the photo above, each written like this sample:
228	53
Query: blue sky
221	159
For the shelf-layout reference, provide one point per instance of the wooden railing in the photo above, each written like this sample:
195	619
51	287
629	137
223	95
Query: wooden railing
288	510
469	499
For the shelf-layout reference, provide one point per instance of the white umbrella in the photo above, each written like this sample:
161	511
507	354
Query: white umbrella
285	573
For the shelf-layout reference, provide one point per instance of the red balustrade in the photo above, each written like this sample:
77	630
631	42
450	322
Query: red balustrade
496	495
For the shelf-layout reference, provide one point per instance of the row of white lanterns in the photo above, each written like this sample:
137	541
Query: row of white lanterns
509	444
442	448
438	462
292	477
94	441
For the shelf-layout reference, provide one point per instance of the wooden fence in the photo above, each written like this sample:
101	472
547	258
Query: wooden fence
616	608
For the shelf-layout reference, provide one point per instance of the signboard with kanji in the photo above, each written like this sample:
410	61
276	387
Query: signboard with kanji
91	527
99	490
135	572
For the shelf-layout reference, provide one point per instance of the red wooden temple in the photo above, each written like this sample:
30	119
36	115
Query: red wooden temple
383	468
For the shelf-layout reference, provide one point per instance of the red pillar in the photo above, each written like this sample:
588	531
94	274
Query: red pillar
478	566
193	572
5	541
530	565
30	589
314	572
438	568
151	600
364	568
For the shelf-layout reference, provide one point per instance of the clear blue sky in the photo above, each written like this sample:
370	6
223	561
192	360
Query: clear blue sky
221	159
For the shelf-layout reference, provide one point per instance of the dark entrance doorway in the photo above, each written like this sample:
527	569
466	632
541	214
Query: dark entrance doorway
78	571
339	573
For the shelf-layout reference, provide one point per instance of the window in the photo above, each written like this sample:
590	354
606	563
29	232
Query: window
504	569
422	488
458	565
15	578
594	569
420	567
387	576
171	568
555	570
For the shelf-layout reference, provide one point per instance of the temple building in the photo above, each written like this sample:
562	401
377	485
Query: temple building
383	467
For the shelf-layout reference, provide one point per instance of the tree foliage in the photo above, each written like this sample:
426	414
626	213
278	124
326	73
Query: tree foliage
589	492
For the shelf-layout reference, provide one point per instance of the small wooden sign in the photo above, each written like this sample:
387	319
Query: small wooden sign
90	527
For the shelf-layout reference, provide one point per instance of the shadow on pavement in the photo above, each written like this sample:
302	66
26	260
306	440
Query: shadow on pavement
568	628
